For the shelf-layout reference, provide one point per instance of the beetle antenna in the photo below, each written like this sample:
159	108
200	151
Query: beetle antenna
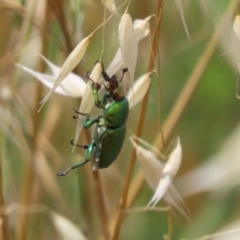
81	146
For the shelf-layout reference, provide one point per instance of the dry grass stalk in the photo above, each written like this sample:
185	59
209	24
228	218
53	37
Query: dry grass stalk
123	202
29	177
5	231
110	5
58	6
12	5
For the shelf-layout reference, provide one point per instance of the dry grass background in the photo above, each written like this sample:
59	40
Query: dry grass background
194	99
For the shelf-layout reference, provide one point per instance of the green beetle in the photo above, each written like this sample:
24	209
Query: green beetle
110	128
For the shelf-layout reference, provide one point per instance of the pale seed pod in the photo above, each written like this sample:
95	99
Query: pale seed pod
169	172
141	28
150	165
236	26
73	85
65	228
152	169
140	87
129	48
71	62
87	102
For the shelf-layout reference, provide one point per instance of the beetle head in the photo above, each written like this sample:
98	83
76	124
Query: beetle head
113	87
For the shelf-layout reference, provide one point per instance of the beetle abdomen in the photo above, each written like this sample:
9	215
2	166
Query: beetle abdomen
109	145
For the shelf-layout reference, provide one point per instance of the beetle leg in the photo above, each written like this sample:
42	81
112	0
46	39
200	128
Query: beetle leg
72	167
123	72
98	103
105	75
75	117
95	88
81	146
88	158
76	111
88	122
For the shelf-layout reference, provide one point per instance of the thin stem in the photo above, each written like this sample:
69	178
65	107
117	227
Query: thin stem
5	233
101	204
57	7
103	32
123	201
237	87
170	225
4	29
30	175
99	198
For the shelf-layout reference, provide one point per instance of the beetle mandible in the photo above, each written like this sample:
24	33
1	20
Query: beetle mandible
110	127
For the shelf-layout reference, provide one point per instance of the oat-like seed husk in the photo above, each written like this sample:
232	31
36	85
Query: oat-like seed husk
71	62
88	98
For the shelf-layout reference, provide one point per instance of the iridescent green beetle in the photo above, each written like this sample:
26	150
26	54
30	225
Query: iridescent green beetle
110	128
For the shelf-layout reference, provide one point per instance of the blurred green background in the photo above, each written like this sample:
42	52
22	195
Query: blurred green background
35	146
